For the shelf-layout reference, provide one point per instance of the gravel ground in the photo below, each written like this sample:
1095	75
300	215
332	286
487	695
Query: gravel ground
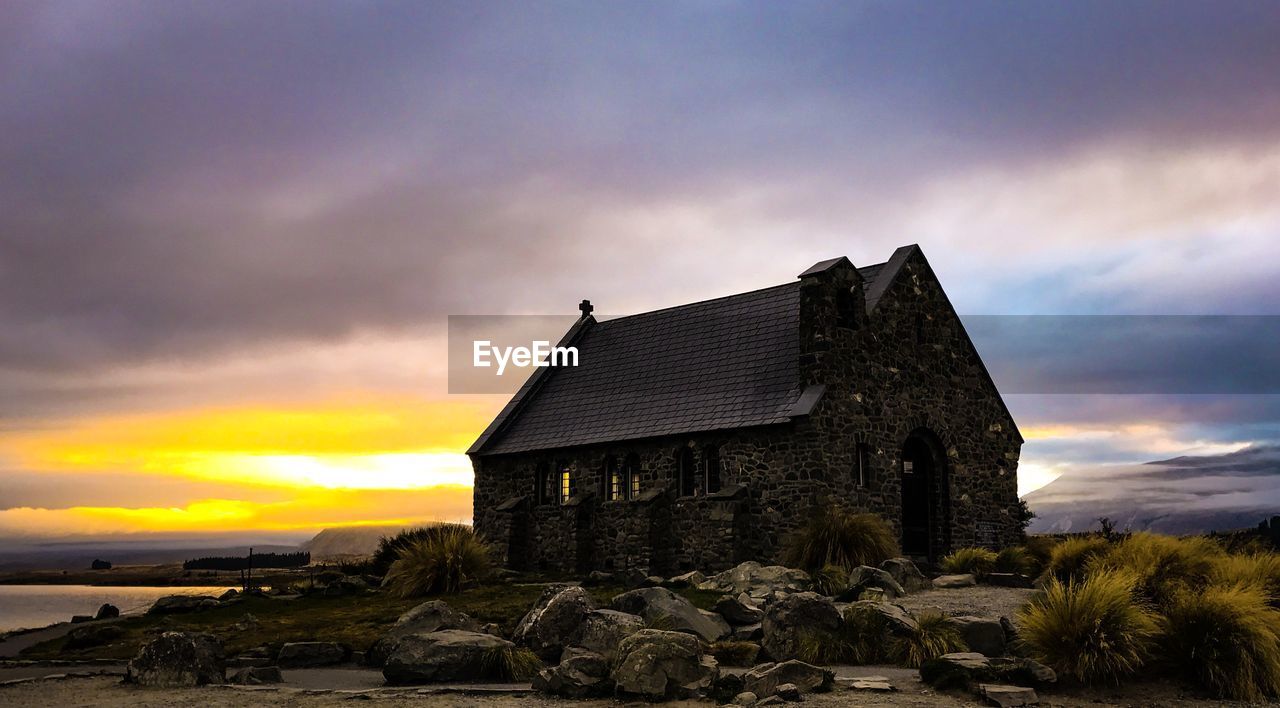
980	601
110	693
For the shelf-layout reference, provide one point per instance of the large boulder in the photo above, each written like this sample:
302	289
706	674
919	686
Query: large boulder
602	631
758	581
94	635
107	611
300	655
347	585
658	665
787	620
864	578
952	582
906	574
661	607
764	680
447	655
554	620
971	669
179	660
580	674
430	616
181	604
981	634
692	579
739	610
896	617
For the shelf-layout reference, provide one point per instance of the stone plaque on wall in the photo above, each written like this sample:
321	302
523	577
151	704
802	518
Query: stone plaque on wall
987	535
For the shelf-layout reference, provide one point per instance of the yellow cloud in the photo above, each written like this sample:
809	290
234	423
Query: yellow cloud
368	444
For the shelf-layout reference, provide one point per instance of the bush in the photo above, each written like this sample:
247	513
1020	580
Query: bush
830	580
1261	570
1093	630
510	663
390	547
1016	559
936	635
978	561
1041	549
1162	565
862	639
835	536
1226	639
1068	560
735	653
447	560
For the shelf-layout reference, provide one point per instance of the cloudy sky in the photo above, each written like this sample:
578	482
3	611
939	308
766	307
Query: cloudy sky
231	232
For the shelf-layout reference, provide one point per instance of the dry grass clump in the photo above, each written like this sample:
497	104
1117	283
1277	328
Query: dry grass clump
862	638
510	663
935	636
451	558
1259	570
1094	630
735	653
836	536
1016	559
1068	559
1161	565
978	561
1226	639
830	580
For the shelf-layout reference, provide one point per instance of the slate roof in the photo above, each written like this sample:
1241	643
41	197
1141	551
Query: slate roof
726	363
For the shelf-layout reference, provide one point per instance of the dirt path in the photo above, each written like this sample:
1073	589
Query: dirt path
13	644
980	601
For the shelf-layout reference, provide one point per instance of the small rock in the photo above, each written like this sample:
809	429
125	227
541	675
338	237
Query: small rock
256	675
1008	696
789	692
771	701
596	578
878	684
107	611
768	679
580	674
299	655
900	621
1008	580
739	609
653	581
748	633
181	604
865	578
660	665
92	636
78	619
746	698
980	634
671	611
950	582
691	579
555	618
229	595
758	581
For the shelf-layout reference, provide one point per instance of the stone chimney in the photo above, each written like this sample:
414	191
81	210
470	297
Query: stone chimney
831	298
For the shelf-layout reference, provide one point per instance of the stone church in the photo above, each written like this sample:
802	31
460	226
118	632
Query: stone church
698	436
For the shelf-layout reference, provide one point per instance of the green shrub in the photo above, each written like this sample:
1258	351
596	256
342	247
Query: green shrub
835	536
978	561
1093	630
451	558
510	663
1226	639
936	635
1016	559
1259	570
735	653
830	580
1068	560
1161	565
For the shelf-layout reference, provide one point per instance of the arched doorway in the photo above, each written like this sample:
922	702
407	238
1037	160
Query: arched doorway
925	522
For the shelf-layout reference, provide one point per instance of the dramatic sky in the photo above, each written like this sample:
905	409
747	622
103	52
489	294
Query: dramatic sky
231	232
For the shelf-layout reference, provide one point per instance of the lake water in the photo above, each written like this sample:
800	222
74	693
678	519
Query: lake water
30	606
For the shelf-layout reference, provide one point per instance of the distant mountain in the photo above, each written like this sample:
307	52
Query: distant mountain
347	541
1180	495
79	556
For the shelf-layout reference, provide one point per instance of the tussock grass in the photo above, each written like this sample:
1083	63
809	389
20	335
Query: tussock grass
863	638
830	580
1016	559
1094	630
1068	560
835	536
1162	566
1259	570
510	663
936	635
978	561
1226	639
446	561
735	653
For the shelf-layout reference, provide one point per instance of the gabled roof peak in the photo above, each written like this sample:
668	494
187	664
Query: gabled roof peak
823	266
